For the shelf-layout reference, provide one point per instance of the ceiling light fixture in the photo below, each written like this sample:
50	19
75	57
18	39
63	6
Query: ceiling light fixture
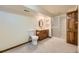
26	11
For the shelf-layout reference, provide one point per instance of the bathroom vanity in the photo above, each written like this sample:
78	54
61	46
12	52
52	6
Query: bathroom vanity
42	34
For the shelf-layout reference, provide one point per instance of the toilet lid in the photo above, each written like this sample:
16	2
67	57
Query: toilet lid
34	37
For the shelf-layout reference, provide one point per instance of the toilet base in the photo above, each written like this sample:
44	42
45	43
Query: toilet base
34	42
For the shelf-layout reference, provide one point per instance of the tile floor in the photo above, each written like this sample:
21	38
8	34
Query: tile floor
49	45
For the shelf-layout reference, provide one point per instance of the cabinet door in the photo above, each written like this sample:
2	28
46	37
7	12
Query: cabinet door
72	27
42	34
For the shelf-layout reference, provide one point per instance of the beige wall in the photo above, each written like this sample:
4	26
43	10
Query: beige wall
13	29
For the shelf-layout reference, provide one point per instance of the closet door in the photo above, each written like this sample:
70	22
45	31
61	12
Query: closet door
72	27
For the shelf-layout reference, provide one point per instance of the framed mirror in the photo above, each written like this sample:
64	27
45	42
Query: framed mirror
40	23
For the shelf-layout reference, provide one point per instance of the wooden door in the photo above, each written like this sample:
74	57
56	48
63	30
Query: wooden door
72	27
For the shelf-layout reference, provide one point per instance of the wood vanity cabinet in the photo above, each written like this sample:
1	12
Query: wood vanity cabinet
42	34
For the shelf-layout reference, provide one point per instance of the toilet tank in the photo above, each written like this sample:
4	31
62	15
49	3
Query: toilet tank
32	32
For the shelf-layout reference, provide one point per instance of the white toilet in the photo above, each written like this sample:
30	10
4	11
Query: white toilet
32	34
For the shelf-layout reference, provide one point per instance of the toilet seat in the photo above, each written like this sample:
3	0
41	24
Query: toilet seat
34	37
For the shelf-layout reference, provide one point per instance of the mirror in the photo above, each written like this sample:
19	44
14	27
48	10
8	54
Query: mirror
40	23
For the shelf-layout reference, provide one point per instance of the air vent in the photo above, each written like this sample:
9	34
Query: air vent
26	11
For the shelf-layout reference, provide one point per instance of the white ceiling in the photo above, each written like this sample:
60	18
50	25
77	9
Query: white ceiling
16	9
51	9
58	9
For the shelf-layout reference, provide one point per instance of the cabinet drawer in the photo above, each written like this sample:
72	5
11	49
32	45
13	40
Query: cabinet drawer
42	34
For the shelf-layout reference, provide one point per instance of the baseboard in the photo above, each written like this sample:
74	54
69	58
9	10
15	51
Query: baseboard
49	36
14	47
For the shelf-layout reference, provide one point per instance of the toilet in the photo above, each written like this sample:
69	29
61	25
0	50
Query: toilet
32	35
